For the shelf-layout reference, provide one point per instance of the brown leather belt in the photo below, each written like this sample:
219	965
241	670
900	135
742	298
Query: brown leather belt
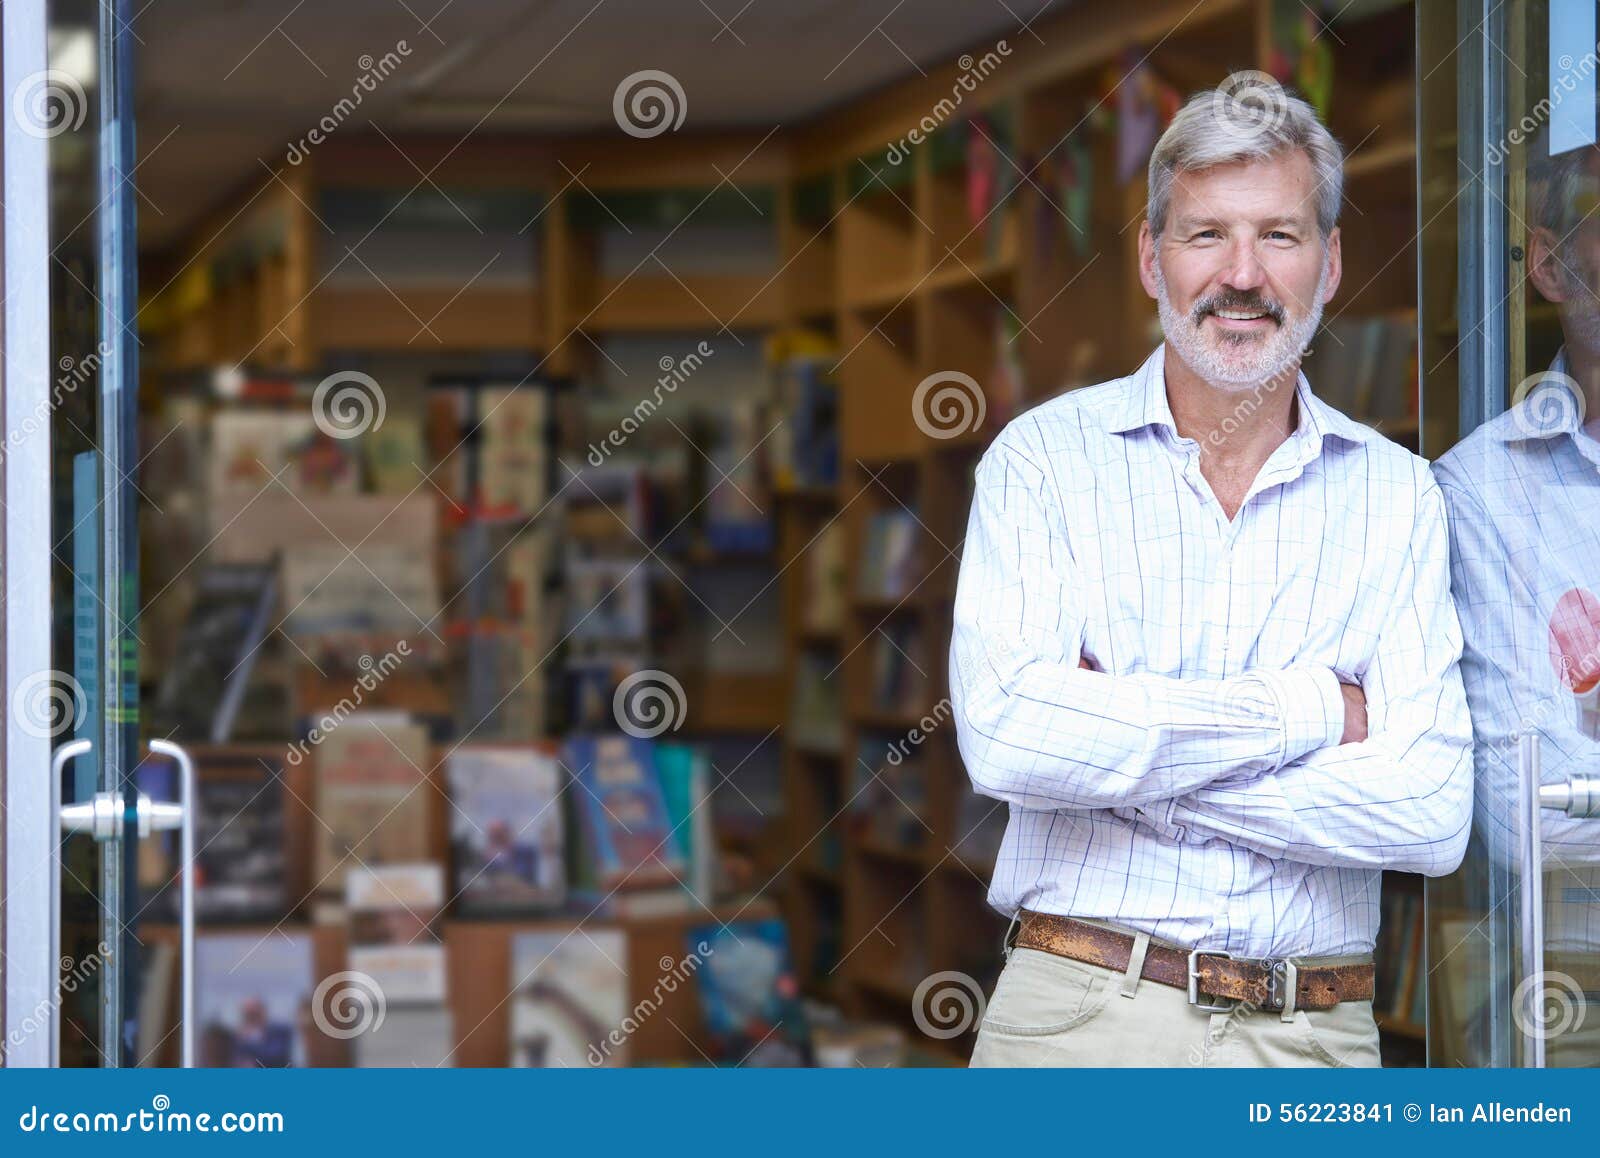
1263	984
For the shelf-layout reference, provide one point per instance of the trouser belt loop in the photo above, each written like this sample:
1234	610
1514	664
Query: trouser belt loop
1291	990
1130	976
1005	941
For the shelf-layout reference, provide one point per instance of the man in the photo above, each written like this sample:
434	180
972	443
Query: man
1522	492
1204	648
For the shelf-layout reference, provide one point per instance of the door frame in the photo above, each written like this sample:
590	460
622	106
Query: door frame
27	975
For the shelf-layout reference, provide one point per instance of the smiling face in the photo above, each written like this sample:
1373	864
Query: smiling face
1241	272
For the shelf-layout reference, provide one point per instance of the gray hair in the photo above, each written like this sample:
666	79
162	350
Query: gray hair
1249	117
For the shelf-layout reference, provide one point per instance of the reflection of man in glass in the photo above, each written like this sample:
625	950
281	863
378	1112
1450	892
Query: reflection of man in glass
1523	492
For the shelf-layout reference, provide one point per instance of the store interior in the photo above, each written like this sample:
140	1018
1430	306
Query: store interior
556	429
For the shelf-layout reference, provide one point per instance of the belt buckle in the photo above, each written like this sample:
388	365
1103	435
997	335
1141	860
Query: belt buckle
1194	982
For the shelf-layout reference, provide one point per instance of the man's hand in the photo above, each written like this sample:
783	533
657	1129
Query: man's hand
1355	714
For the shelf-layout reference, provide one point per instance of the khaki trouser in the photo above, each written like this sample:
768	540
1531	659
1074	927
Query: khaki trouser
1051	1011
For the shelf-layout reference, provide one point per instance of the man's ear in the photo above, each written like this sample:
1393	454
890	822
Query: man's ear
1335	265
1544	267
1147	259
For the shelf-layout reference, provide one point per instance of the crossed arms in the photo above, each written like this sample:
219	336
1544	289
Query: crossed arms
1256	759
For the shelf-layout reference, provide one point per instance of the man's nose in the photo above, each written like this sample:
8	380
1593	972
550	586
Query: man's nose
1245	271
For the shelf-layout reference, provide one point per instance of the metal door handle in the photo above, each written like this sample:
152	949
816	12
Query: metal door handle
1579	797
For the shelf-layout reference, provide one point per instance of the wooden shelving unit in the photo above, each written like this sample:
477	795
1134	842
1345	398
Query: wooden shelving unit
884	256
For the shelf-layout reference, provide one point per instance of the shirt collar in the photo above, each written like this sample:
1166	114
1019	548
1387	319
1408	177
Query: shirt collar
1144	403
1553	418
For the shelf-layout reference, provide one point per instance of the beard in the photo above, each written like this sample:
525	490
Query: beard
1239	361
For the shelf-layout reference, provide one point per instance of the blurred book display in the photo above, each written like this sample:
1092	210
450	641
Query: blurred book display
506	831
570	992
253	999
372	795
652	413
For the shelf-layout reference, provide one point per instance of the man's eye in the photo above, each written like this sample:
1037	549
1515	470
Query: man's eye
1279	235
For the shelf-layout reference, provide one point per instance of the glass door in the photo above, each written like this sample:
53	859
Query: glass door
70	551
1510	286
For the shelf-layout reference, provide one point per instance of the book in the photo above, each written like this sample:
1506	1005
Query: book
513	459
686	788
408	1036
394	912
888	555
507	836
253	999
738	503
569	996
372	799
749	995
241	855
826	583
805	449
252	451
393	453
377	589
204	691
627	840
816	710
158	965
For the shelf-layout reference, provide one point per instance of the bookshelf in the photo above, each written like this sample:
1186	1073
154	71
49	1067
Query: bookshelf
889	260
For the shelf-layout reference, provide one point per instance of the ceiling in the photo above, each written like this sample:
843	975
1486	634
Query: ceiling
225	86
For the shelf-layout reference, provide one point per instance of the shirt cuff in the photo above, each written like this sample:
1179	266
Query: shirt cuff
1310	708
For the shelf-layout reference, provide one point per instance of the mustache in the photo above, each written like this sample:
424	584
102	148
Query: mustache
1236	301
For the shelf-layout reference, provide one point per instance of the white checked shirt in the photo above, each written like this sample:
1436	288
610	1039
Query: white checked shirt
1194	786
1523	493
